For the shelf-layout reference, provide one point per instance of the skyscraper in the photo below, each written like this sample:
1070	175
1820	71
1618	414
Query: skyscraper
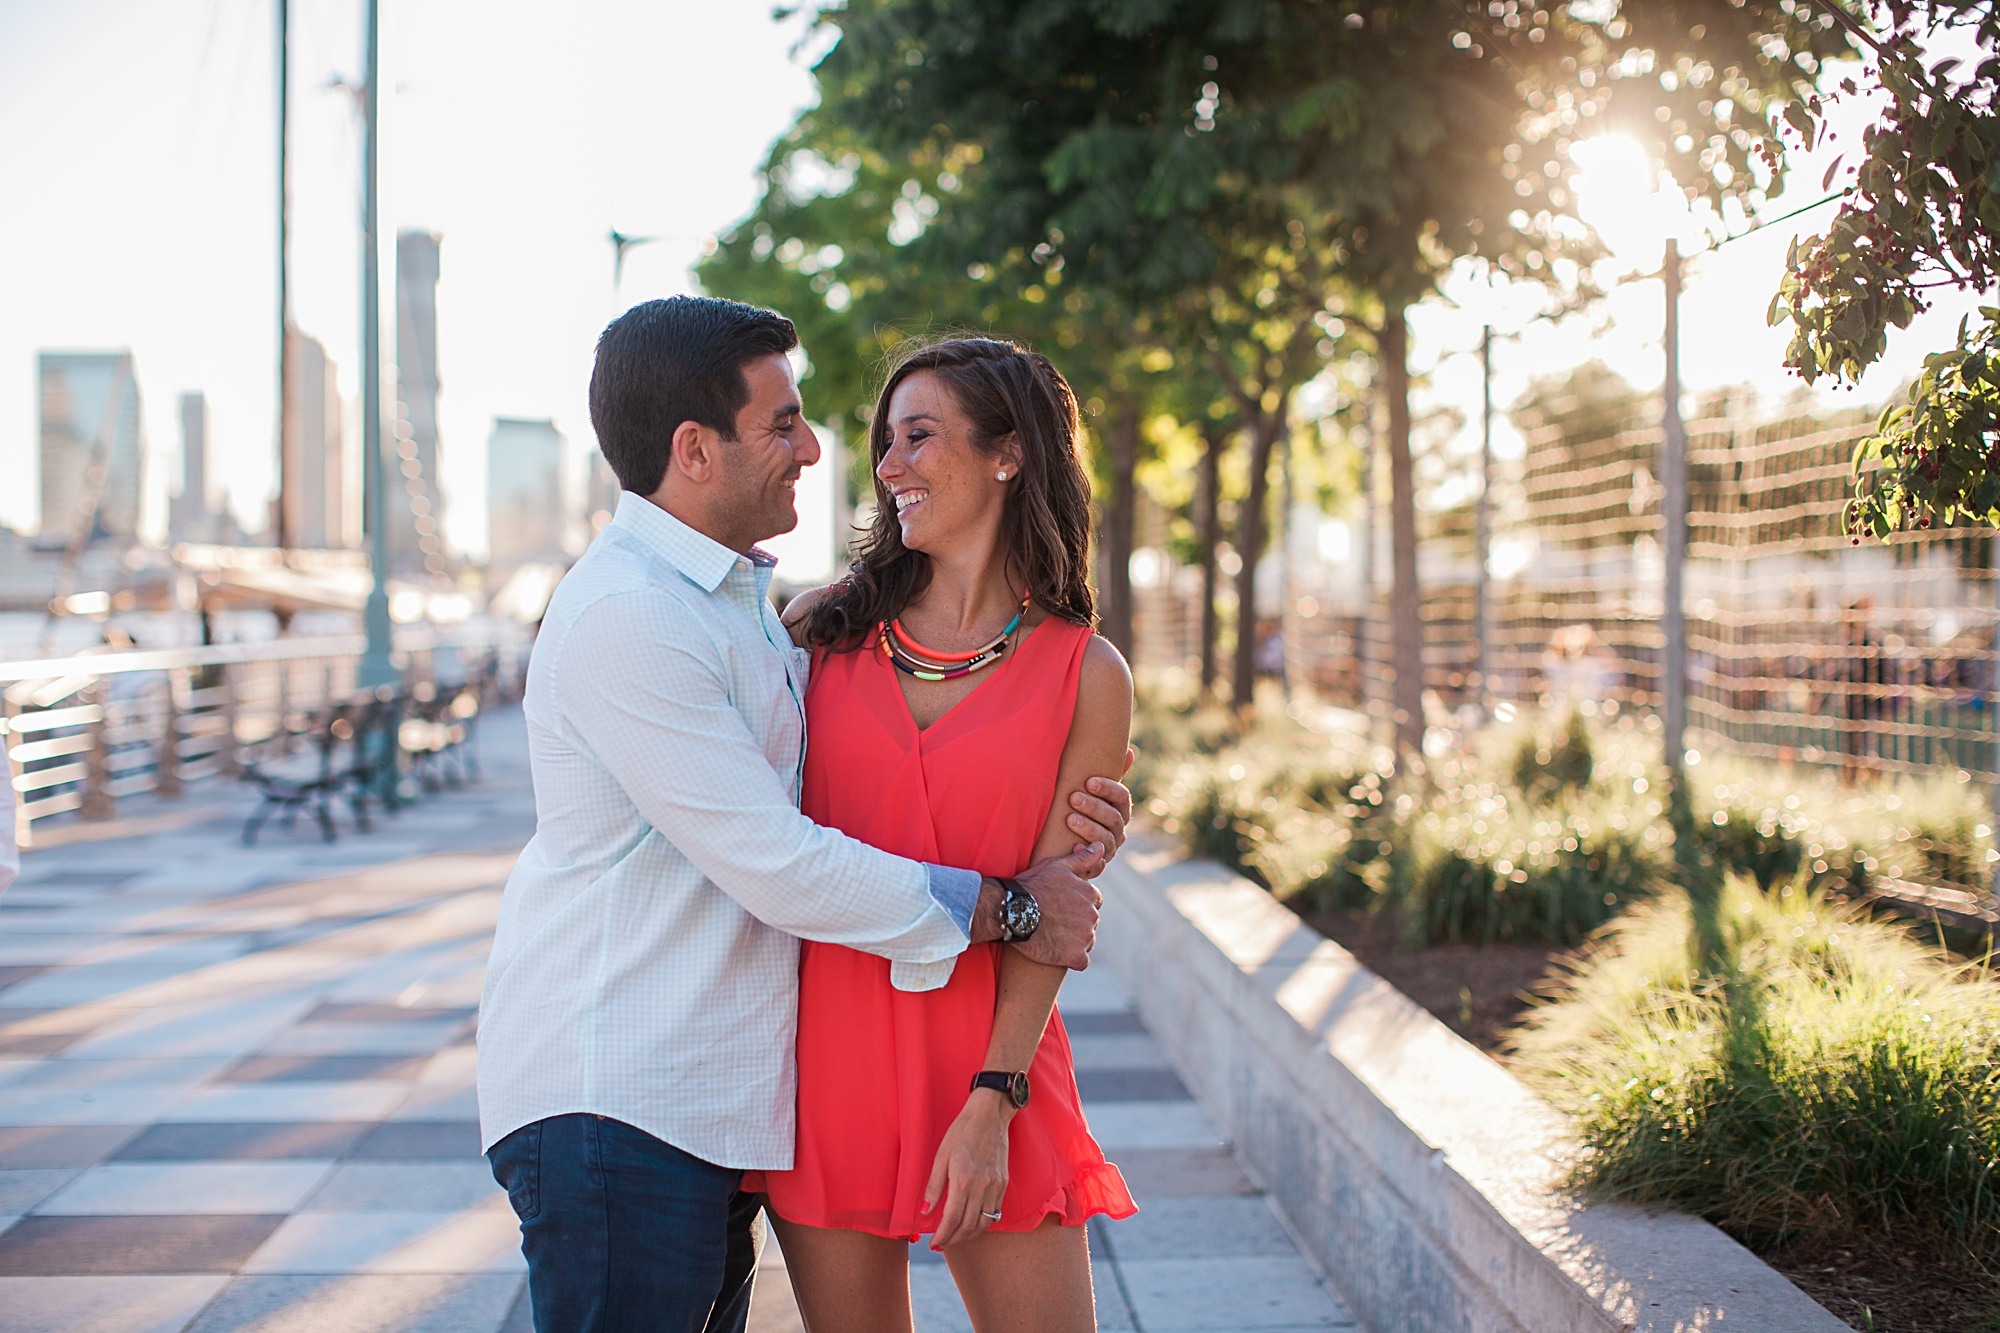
416	524
316	452
526	516
191	516
93	453
601	498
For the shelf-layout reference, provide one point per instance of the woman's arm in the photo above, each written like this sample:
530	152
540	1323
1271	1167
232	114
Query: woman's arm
971	1166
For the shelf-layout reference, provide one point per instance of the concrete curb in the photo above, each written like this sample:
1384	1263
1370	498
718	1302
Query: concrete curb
1416	1171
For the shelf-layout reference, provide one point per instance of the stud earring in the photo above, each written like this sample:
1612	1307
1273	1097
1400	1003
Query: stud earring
1000	476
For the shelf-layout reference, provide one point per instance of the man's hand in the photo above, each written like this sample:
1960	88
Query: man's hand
1099	814
1069	904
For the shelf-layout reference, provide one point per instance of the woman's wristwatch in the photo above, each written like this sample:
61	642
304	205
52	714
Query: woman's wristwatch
1014	1085
1020	914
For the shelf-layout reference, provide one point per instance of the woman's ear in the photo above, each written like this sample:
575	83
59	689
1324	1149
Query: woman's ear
1007	452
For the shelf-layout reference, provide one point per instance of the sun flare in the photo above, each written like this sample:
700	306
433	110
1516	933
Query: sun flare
1619	193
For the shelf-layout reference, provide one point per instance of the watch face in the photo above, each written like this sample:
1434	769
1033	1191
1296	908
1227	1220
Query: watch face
1017	1088
1020	915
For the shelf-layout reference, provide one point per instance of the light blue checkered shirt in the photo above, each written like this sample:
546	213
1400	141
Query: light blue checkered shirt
645	966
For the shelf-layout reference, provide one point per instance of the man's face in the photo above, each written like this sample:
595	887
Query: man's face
755	498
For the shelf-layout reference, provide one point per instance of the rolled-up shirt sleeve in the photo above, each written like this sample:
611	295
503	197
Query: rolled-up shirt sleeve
656	714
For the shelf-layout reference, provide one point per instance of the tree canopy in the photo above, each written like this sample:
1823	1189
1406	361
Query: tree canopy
1240	189
1923	214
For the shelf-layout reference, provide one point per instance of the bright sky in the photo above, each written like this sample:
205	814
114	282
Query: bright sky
137	207
1726	289
137	211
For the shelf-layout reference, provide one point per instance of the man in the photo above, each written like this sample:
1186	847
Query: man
635	1040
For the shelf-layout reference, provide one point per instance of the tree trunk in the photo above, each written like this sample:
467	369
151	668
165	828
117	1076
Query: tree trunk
1121	438
1208	522
1406	623
1249	547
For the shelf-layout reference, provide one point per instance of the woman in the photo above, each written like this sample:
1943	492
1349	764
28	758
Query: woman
956	688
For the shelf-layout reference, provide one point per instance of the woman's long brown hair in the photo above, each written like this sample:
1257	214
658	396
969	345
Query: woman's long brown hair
1001	388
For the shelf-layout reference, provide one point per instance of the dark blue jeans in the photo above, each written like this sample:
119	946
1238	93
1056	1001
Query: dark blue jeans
625	1233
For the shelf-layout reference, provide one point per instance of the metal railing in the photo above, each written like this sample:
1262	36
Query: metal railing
80	734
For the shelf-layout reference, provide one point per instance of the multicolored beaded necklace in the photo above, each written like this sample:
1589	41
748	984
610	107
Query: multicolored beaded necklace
907	655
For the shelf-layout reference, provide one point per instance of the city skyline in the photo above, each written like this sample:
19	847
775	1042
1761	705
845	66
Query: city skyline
191	511
325	499
525	138
527	509
92	446
415	510
521	134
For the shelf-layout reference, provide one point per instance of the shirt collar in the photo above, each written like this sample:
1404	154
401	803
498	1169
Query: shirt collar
703	560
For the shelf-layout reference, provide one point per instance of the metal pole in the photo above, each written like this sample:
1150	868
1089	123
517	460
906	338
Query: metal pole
1673	524
1993	707
288	479
375	670
1482	611
1285	617
1362	637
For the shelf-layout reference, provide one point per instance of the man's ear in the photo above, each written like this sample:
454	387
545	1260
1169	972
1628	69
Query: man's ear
693	452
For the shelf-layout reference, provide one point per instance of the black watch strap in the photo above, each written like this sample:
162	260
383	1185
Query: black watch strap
1013	1085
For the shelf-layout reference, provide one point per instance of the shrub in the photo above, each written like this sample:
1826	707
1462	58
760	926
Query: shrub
1547	766
1775	825
1540	832
1270	799
1274	824
1833	1079
1930	832
1482	866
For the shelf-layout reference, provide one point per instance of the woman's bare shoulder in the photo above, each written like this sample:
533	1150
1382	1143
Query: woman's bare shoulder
1105	682
795	612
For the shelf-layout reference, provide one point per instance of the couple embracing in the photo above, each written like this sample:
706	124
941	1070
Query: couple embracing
802	889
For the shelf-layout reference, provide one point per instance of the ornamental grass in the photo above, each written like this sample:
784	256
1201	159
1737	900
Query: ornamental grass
1541	831
1827	1078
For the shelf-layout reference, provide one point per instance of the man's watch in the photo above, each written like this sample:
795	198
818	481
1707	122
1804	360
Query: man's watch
1014	1085
1020	914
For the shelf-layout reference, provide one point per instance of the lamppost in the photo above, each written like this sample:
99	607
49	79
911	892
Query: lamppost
1673	527
1482	591
376	669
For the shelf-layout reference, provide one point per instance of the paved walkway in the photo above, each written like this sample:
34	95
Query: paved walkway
236	1093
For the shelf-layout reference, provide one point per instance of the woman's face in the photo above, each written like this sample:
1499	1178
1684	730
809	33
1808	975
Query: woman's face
945	488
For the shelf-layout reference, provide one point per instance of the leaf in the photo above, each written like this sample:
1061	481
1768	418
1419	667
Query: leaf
1832	169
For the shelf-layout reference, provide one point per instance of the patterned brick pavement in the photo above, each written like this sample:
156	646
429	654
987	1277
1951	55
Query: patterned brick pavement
236	1093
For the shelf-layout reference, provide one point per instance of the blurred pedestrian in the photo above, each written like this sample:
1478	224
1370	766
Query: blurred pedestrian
10	851
1861	675
1576	668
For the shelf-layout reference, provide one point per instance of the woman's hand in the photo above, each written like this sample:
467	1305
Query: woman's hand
970	1173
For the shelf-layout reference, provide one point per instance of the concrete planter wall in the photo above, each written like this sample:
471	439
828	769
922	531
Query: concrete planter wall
1418	1172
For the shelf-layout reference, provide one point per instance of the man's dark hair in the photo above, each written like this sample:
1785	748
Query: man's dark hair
665	362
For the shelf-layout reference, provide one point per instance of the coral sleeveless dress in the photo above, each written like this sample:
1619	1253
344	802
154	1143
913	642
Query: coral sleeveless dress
883	1072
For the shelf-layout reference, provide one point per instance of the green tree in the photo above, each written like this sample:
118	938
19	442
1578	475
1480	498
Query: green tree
1157	146
865	249
1055	103
1923	214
